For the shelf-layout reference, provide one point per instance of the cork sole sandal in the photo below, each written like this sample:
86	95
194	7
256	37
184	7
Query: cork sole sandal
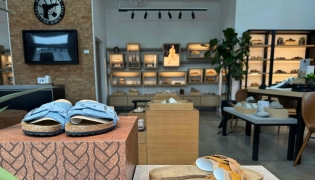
88	126
208	167
90	118
47	120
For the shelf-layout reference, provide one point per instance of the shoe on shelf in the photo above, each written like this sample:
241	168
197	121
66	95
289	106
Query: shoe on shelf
254	105
275	105
294	71
297	57
261	112
280	71
254	84
193	90
250	99
290	40
280	58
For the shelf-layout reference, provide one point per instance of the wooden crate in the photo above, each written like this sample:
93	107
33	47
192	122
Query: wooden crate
165	94
133	93
156	105
172	137
277	113
244	111
194	93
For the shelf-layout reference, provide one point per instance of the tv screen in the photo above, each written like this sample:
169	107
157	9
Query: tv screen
50	46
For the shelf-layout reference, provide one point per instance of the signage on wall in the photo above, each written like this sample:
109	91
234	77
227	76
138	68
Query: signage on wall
49	11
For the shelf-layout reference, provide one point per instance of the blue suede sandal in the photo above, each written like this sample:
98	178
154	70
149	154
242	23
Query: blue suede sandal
47	120
89	118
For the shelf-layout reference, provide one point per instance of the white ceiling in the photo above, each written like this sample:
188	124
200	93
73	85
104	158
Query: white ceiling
3	15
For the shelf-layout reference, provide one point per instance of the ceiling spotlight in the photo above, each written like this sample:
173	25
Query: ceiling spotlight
145	15
169	15
132	15
193	15
180	15
160	15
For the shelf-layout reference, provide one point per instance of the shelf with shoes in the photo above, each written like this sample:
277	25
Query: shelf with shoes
172	78
149	78
280	50
133	55
150	61
125	78
195	76
6	67
116	61
196	51
211	76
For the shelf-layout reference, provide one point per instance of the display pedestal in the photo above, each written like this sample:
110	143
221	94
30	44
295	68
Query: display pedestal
113	155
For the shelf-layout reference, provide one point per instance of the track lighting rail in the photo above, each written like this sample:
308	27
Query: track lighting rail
161	9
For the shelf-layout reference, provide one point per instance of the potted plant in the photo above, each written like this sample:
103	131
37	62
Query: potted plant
233	62
309	78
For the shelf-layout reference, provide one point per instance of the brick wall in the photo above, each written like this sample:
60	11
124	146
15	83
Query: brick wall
78	79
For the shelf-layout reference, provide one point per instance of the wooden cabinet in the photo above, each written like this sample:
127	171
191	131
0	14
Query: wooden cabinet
130	98
172	137
195	99
210	100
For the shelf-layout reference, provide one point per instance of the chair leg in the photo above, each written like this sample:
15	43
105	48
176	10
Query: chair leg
231	121
302	148
278	129
235	123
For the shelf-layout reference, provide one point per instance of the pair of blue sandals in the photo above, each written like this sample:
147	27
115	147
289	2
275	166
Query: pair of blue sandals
87	117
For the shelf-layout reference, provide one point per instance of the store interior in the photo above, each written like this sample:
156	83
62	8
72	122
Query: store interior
125	56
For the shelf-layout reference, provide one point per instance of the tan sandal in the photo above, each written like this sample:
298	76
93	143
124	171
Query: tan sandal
208	167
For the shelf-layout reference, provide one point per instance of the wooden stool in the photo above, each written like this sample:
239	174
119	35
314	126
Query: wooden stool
11	117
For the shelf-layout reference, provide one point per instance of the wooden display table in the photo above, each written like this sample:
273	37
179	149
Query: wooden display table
113	155
142	172
172	136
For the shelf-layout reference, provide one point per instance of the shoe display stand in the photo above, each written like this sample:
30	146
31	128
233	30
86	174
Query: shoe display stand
133	55
273	59
178	78
142	138
112	155
195	76
196	50
124	78
172	135
5	67
116	61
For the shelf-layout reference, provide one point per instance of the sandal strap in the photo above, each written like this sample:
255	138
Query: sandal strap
55	110
94	110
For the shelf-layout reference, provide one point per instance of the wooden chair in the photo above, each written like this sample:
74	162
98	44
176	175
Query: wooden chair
308	114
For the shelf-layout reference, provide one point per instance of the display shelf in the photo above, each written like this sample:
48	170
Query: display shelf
195	76
211	76
196	50
116	61
149	78
150	61
169	78
276	43
130	78
133	55
294	46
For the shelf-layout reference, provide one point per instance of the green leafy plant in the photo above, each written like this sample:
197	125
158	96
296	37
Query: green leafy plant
309	76
234	62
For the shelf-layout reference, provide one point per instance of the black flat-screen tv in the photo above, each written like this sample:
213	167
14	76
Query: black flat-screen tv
50	46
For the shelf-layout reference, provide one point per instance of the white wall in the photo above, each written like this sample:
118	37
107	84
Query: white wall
99	28
227	14
274	14
153	32
4	32
4	35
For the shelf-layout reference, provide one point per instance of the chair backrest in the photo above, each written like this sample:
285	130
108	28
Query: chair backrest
308	112
241	95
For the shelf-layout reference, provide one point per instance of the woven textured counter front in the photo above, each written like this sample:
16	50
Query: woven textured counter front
112	155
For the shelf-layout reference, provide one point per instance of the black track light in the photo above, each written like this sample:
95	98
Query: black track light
160	15
193	15
180	15
132	15
169	15
145	15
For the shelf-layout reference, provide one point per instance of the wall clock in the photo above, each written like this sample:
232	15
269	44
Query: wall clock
49	11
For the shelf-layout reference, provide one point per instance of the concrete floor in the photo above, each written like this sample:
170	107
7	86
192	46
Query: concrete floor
272	148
